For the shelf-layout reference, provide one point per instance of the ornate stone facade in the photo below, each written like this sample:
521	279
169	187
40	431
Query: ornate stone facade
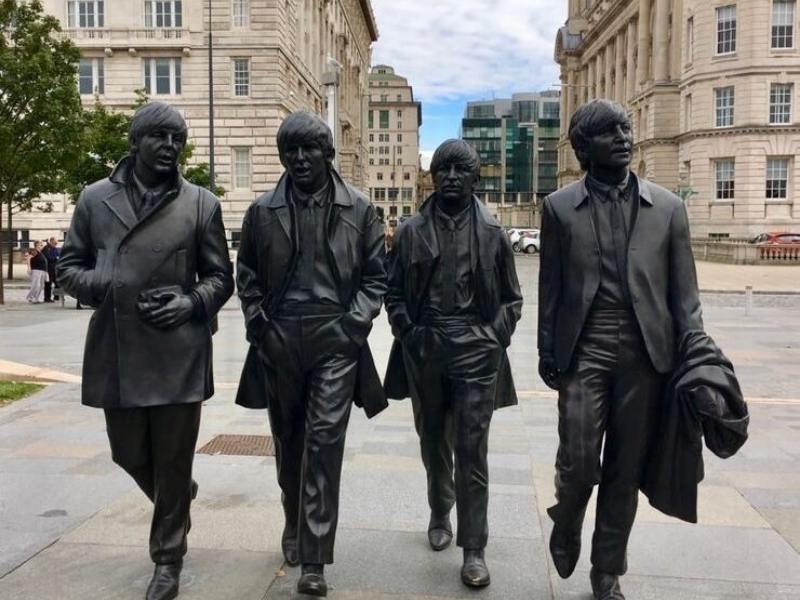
711	87
270	57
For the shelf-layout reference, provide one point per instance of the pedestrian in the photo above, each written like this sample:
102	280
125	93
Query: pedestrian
617	292
311	279
148	250
51	252
37	270
453	302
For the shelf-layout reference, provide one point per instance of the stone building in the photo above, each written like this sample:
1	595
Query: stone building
393	124
270	57
710	86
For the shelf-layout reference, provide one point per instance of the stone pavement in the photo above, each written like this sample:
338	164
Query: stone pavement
72	525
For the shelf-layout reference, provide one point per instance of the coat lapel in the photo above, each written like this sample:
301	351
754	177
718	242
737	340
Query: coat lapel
580	203
425	248
119	204
280	206
486	236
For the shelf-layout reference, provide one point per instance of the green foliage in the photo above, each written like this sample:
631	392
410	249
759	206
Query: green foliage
15	390
40	109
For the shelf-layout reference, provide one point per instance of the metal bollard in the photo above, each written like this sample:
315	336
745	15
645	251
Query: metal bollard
748	300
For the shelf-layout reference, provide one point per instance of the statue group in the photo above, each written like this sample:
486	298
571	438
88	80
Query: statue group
617	293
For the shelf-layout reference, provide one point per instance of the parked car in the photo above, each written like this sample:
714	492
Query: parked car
515	235
776	237
530	243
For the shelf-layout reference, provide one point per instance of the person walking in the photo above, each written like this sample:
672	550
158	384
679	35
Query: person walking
51	252
37	268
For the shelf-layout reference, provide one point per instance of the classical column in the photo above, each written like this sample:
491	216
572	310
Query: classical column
643	58
619	87
661	41
571	90
590	80
582	87
563	103
630	92
608	61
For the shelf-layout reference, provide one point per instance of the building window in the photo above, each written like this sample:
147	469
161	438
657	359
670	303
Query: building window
726	29
783	23
399	99
384	97
162	76
163	13
371	161
384	119
780	103
241	168
407	176
777	178
241	76
91	76
405	194
85	13
724	177
399	137
371	137
241	13
406	210
689	40
379	176
371	119
380	194
393	193
723	106
687	114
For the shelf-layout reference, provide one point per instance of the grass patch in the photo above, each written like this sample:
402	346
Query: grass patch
15	390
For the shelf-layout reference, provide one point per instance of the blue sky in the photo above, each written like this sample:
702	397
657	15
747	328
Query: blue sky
453	51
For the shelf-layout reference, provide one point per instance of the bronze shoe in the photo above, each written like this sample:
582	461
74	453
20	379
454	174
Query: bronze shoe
440	532
605	586
565	548
165	582
312	581
474	572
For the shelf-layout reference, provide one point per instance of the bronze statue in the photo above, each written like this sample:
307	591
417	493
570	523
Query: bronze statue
147	249
617	291
311	279
453	303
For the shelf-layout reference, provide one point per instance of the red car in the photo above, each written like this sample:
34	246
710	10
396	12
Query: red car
776	237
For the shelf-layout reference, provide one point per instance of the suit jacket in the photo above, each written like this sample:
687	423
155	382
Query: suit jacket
267	260
661	272
702	401
109	256
412	261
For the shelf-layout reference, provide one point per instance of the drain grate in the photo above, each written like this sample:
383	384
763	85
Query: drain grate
240	445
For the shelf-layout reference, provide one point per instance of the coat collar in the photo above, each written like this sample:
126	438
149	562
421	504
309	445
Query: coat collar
642	185
341	194
118	201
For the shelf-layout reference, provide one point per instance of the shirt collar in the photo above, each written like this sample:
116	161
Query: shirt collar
320	197
602	189
456	222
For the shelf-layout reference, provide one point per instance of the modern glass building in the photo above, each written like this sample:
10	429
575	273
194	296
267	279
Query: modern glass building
517	141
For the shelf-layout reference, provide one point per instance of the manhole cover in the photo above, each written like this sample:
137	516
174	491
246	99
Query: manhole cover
240	445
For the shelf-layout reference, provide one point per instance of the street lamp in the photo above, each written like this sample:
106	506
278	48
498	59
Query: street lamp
211	177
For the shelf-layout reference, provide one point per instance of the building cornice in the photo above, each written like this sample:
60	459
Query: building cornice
738	130
369	17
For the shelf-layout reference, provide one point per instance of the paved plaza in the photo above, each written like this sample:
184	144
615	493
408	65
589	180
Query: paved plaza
74	526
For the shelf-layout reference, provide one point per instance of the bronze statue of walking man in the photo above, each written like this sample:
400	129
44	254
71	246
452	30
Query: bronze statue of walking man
617	290
147	249
453	303
311	278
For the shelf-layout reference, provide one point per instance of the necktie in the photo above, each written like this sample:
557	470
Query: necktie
308	242
619	235
449	268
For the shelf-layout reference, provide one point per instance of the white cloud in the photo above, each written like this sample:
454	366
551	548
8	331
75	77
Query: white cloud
475	48
425	157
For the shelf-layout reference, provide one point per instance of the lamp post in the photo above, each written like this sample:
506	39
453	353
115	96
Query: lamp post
211	177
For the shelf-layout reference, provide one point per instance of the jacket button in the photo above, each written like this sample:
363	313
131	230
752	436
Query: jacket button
118	283
157	248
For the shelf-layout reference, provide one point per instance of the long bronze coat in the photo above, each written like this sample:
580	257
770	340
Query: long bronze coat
267	260
109	256
412	262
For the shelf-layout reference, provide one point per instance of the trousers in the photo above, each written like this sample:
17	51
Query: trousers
155	445
610	391
311	367
452	372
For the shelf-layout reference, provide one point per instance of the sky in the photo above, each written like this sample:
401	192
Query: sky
453	51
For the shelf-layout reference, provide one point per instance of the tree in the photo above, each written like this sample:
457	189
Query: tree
40	109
